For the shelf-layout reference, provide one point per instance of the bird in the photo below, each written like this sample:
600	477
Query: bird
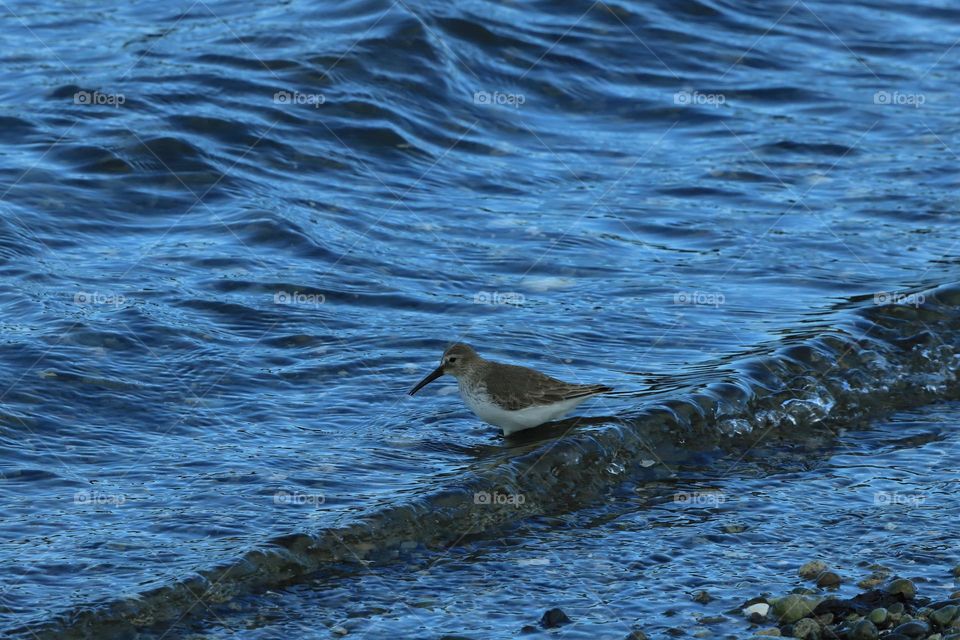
508	396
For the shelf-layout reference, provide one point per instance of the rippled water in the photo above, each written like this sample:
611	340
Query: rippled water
737	528
233	236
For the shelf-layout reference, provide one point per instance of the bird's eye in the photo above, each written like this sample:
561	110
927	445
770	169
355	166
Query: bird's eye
452	359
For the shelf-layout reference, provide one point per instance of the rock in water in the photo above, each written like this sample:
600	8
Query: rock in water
812	569
554	618
903	587
793	607
828	579
759	608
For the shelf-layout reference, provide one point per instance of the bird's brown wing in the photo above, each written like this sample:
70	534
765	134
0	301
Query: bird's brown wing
520	387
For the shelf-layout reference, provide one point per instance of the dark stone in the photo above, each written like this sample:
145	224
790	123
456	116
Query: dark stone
636	634
913	629
864	630
829	579
861	604
702	597
944	615
554	618
529	628
903	587
676	632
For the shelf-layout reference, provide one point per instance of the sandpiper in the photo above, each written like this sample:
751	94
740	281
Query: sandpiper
505	395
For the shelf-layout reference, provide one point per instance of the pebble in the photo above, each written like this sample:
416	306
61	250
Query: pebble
636	634
864	630
878	616
812	569
956	571
943	616
913	629
760	608
339	631
703	597
768	632
806	629
904	587
554	618
829	579
896	609
793	607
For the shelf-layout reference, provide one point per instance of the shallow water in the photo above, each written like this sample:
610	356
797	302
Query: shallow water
217	290
737	527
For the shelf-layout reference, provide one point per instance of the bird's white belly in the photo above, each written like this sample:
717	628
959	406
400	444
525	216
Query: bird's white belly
511	421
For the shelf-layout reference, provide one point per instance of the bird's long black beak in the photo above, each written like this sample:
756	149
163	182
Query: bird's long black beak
436	373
